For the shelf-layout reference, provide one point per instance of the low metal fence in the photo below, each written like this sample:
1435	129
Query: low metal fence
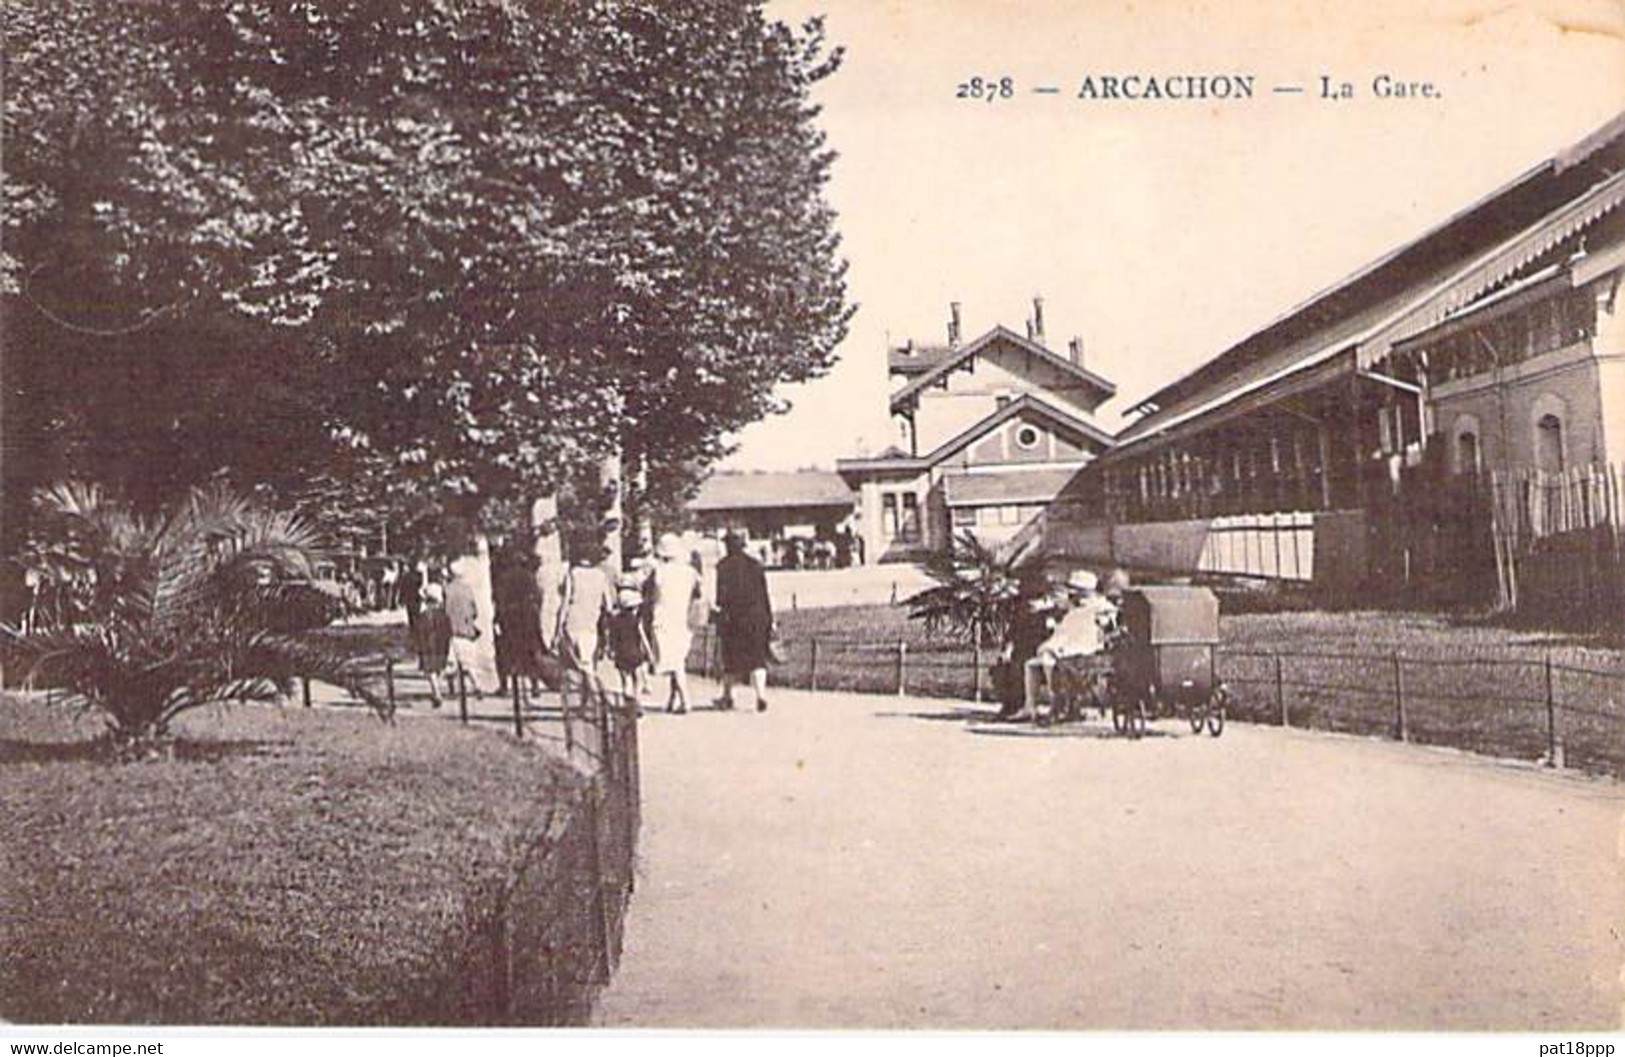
539	949
1536	707
554	938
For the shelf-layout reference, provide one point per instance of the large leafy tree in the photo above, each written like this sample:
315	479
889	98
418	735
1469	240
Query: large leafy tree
472	245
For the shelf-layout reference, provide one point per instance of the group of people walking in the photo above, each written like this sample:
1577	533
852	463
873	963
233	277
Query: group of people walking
642	620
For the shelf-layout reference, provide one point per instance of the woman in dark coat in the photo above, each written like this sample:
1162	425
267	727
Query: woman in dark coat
518	604
744	621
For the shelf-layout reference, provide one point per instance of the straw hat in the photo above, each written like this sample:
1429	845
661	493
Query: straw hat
1082	580
670	546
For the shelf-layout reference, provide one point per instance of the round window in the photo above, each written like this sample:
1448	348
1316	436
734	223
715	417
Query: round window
1028	437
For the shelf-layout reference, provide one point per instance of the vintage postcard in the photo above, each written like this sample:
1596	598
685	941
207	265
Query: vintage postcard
816	514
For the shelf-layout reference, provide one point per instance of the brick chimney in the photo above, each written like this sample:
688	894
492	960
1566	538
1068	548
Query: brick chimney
1038	320
953	324
1075	347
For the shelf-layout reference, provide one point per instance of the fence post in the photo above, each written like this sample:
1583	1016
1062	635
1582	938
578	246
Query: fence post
1280	692
812	675
305	686
1399	700
976	671
606	736
600	906
518	708
462	692
1554	744
902	668
564	709
389	681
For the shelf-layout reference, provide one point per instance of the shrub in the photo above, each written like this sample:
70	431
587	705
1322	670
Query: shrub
195	605
976	593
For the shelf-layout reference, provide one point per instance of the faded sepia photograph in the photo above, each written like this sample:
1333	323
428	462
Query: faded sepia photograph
1009	515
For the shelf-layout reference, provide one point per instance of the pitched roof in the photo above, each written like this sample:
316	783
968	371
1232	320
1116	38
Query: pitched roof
1008	486
914	359
758	491
1414	284
894	460
1103	388
1026	403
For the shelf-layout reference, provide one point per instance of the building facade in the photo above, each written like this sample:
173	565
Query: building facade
989	432
1491	343
779	514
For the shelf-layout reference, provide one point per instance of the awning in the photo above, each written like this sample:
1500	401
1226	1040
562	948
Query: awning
1008	487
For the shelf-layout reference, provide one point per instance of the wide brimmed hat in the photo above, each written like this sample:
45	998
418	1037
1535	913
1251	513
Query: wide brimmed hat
1082	580
670	546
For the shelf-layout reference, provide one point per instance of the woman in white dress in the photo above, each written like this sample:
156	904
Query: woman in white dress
674	585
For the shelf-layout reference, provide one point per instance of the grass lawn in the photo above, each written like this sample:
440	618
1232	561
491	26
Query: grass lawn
1471	685
284	867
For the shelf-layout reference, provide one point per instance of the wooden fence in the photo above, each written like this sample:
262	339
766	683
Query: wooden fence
1558	547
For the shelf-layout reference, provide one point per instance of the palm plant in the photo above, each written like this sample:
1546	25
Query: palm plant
976	593
178	610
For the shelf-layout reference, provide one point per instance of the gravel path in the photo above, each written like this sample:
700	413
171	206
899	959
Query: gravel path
882	862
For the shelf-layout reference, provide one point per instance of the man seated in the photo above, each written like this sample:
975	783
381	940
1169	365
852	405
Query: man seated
1080	632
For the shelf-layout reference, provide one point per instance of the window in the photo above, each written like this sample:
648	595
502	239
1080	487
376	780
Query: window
1009	515
909	529
1467	452
964	516
1549	444
1027	437
1550	417
888	515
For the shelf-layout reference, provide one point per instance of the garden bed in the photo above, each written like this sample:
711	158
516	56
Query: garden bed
279	867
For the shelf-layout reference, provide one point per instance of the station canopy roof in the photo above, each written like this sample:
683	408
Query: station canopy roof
1355	321
768	491
1010	486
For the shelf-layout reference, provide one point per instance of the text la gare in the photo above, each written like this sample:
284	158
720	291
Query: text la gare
1382	86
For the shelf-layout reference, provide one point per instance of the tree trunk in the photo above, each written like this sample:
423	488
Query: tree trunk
609	477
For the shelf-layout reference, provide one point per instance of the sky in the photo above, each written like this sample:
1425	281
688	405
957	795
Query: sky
1161	232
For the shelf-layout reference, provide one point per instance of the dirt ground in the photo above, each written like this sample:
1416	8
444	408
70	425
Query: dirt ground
850	861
